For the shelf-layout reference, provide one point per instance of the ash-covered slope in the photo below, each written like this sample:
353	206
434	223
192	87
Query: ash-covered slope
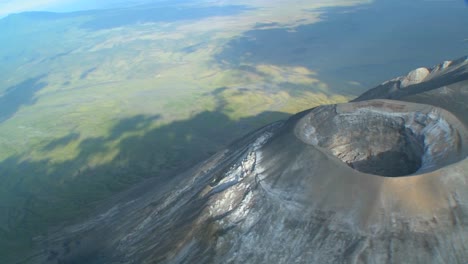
440	85
371	181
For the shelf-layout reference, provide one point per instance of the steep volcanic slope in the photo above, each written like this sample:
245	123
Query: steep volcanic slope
371	181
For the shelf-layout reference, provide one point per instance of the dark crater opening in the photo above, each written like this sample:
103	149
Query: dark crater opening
389	163
377	145
382	143
389	152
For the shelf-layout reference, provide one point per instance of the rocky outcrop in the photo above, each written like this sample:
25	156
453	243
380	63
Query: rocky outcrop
420	80
370	181
414	77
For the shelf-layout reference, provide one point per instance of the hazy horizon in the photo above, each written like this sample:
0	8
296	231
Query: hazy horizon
8	7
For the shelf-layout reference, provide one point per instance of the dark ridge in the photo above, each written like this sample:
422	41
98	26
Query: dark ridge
123	17
87	72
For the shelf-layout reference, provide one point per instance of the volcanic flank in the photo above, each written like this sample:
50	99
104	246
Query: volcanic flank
370	181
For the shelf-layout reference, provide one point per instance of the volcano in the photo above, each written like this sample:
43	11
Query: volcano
381	179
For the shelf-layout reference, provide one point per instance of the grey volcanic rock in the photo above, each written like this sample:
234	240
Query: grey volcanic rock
419	81
370	181
414	77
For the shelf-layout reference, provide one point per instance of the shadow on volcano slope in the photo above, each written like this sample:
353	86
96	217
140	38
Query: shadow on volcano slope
18	95
39	194
357	47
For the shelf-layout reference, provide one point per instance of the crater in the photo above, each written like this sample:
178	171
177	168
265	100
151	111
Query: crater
376	144
385	139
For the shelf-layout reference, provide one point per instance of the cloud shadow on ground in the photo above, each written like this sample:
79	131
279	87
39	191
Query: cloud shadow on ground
19	95
359	46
